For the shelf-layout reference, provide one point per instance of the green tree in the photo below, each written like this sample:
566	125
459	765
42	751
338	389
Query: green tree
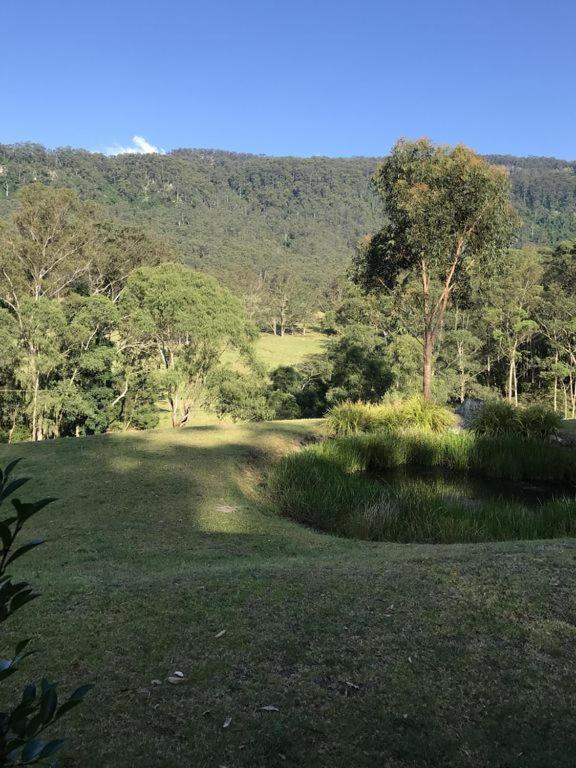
284	301
186	320
448	212
118	250
45	246
557	320
514	295
360	370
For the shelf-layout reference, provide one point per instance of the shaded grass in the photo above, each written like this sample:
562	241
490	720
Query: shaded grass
505	457
321	487
464	656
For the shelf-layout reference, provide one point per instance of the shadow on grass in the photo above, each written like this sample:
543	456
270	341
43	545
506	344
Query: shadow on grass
465	661
167	498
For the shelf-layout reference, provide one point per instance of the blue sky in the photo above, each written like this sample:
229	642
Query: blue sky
291	77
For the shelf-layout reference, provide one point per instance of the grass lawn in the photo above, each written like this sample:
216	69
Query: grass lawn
290	349
392	656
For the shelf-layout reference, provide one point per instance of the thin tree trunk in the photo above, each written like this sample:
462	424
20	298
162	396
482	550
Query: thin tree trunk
12	428
461	372
511	374
427	364
556	388
35	406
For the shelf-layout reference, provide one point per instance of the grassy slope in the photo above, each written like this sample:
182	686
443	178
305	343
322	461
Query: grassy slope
463	655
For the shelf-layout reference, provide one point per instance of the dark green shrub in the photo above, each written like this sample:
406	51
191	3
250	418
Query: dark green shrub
238	396
306	383
359	367
539	422
501	419
23	725
284	405
497	419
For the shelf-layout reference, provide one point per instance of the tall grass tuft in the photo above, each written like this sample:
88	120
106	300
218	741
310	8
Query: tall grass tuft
501	419
349	418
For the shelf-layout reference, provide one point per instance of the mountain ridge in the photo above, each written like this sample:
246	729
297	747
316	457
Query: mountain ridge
227	211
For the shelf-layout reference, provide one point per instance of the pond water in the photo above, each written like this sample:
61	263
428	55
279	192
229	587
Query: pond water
471	489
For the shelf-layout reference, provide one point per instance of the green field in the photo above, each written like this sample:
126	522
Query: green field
291	349
399	656
288	350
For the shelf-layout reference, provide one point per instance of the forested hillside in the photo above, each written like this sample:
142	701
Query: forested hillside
235	214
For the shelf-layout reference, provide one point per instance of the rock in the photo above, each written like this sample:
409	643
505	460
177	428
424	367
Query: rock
468	410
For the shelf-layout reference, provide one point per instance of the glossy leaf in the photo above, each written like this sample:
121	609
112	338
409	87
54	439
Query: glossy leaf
23	549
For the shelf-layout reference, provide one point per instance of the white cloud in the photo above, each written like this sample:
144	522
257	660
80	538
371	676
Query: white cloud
139	147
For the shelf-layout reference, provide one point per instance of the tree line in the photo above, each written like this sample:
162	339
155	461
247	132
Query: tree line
98	323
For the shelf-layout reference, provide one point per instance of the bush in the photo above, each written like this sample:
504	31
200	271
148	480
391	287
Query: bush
349	418
238	396
501	419
539	423
417	413
497	419
22	726
306	386
352	419
284	405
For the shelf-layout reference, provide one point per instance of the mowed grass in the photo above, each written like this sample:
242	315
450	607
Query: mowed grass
384	655
289	350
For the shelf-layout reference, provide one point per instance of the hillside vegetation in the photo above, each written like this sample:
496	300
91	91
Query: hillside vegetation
224	211
161	557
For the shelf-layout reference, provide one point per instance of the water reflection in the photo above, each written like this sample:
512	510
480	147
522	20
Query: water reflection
471	489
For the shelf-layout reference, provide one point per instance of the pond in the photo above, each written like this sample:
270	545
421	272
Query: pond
471	489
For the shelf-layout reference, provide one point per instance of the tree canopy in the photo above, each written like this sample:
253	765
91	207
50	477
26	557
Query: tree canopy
448	211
